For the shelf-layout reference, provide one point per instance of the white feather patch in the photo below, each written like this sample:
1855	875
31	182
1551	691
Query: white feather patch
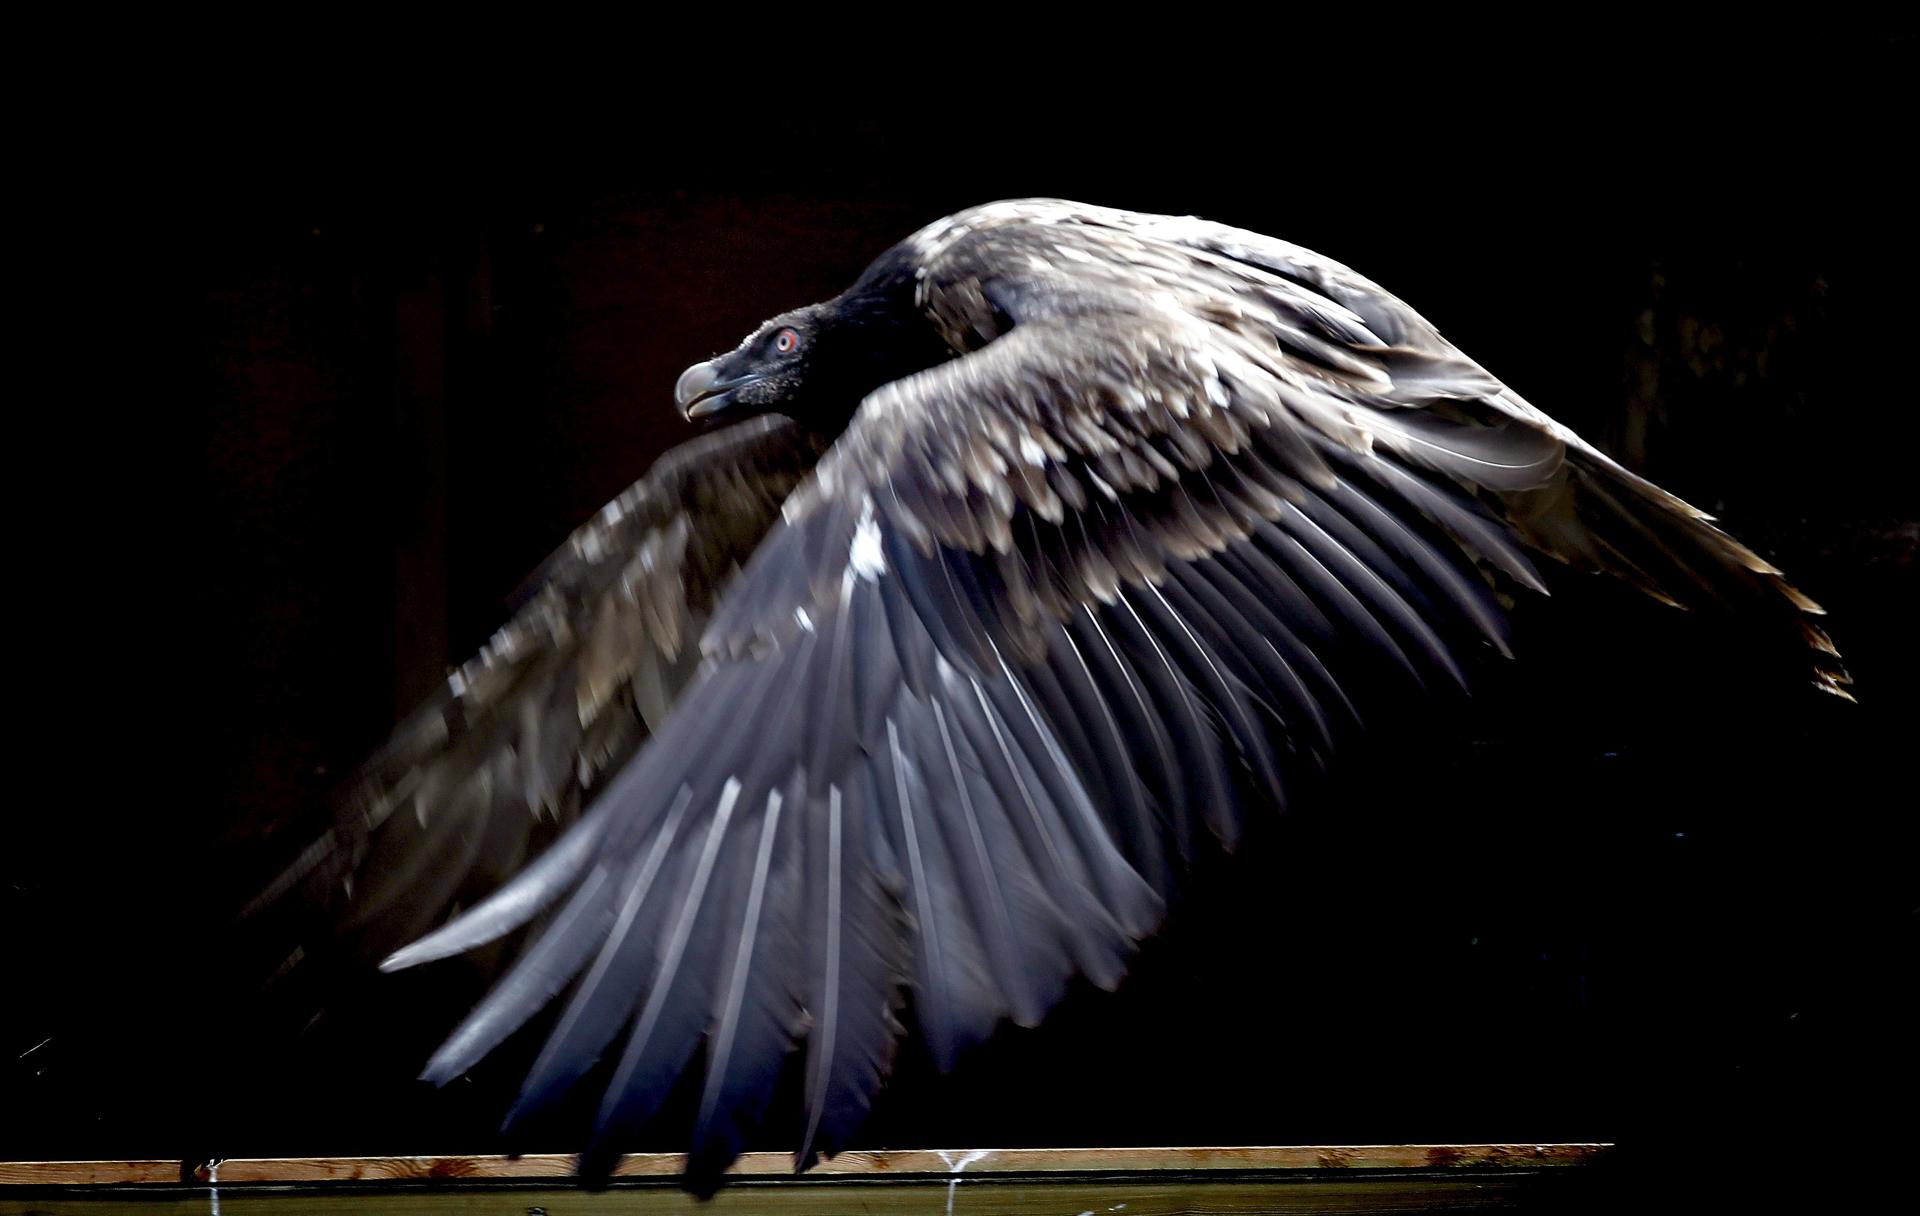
864	555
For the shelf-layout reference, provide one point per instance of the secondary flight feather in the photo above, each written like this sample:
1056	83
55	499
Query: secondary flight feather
1035	563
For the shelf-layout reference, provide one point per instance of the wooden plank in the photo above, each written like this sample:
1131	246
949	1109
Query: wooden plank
1319	1193
937	1163
87	1173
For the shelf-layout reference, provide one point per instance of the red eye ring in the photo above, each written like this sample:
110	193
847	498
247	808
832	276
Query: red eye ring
785	341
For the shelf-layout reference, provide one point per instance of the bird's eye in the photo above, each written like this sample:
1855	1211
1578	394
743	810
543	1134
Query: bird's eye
786	341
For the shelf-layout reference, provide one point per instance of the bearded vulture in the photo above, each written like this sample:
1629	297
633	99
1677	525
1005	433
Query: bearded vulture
1018	574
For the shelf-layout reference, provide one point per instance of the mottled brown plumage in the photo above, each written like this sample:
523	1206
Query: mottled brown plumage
1119	525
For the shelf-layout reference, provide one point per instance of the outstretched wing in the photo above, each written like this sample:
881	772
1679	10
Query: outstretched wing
519	737
1390	373
1046	619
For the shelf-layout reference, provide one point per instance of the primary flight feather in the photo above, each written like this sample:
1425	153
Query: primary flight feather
1059	544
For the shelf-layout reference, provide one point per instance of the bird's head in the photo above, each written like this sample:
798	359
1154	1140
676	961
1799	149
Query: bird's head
815	364
771	372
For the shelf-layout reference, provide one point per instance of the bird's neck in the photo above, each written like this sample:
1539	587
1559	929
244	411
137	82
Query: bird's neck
880	336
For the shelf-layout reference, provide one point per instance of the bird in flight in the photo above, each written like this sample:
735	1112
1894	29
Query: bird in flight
1010	580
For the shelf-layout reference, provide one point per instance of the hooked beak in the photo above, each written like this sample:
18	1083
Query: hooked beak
701	394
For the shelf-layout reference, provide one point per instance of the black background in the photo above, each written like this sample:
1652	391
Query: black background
333	367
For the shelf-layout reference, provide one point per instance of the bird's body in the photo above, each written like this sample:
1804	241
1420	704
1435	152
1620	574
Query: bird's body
1060	544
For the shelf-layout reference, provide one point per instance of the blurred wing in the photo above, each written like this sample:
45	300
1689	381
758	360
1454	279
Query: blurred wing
1045	620
520	736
